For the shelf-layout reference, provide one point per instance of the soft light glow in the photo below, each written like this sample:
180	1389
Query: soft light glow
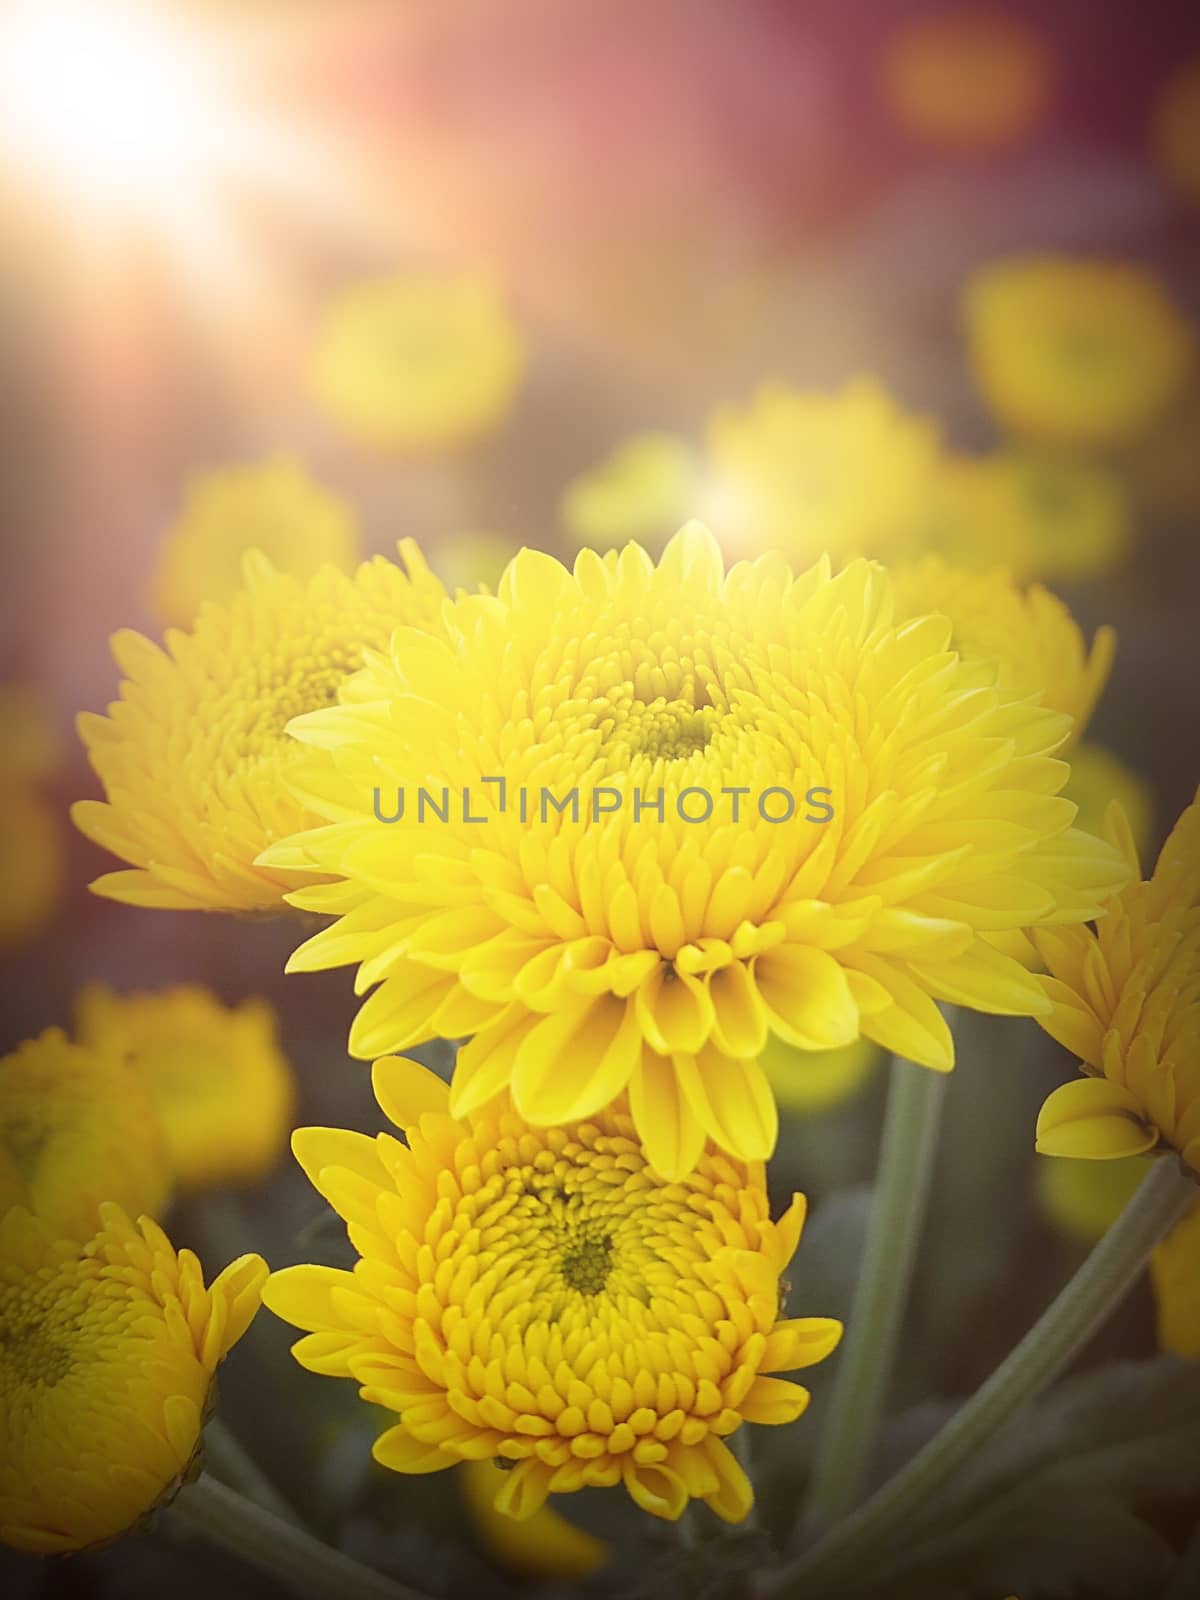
110	107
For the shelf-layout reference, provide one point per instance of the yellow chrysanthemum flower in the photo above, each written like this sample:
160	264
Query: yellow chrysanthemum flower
1097	779
1075	352
808	1081
32	863
811	473
275	507
77	1128
644	490
194	757
419	360
967	77
546	1545
223	1091
1126	1000
538	1296
1176	132
795	814
1025	640
107	1356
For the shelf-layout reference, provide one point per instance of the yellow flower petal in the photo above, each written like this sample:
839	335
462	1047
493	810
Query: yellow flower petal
406	1090
1095	1119
545	1545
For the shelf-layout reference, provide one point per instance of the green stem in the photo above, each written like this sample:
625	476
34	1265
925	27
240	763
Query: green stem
685	1528
231	1462
910	1500
865	1362
739	1443
274	1546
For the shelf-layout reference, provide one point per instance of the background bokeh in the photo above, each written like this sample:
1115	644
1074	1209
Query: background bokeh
681	198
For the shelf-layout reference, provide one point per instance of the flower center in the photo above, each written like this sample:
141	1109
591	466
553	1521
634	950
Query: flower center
586	1265
668	731
658	730
28	1350
298	687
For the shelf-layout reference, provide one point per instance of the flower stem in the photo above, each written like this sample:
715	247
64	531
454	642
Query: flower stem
865	1362
274	1546
910	1500
739	1443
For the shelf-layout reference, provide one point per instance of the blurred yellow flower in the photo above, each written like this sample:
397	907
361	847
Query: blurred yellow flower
1176	131
110	1348
1039	515
1084	1198
220	1084
275	507
540	1297
644	490
967	76
811	473
32	863
194	757
1126	1001
1075	352
546	1545
1026	641
794	814
1070	518
807	1081
1175	1275
966	517
420	360
33	748
1097	778
77	1128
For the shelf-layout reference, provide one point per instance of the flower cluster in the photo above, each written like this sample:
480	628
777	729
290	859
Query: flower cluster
665	845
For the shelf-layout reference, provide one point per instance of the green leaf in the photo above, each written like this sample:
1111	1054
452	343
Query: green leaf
1059	1502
